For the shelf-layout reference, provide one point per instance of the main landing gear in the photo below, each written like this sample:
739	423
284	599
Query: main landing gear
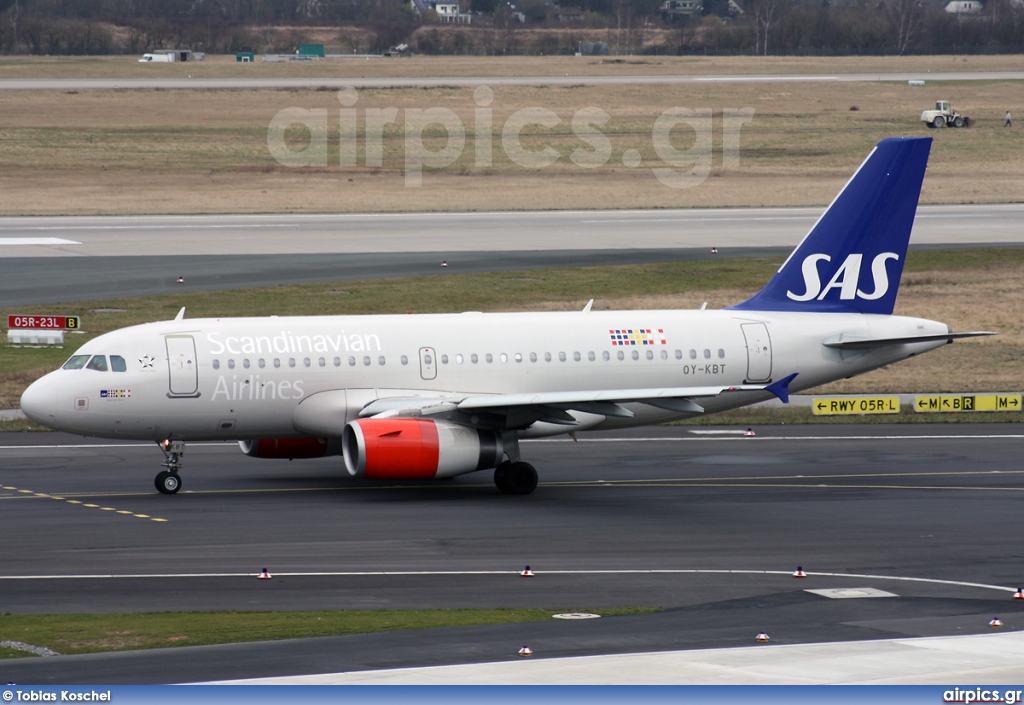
167	481
515	478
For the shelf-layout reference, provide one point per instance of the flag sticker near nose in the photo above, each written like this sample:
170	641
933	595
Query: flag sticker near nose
115	394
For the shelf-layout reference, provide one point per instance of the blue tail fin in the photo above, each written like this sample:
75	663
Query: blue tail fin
852	259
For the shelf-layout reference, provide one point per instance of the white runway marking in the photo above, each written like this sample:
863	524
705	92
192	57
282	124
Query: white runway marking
437	573
701	436
36	241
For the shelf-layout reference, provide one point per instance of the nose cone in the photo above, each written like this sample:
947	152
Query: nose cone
40	401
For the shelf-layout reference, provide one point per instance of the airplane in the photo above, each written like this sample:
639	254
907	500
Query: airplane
417	397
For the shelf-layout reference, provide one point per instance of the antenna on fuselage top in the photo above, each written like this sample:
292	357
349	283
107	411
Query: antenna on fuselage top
181	314
586	309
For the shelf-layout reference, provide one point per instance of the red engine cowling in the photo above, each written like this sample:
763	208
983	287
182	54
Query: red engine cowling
289	448
417	449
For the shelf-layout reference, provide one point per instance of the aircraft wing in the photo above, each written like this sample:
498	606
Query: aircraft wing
521	410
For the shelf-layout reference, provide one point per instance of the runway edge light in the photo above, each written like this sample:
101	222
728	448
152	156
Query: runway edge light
527	573
750	433
526	651
1019	595
761	637
995	623
799	572
264	575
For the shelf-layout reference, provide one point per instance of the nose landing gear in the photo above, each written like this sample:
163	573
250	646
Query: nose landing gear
167	481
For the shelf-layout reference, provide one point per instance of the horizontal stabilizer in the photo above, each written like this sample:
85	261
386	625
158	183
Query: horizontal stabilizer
843	343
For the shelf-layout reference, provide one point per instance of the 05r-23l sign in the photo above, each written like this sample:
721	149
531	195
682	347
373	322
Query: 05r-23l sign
44	322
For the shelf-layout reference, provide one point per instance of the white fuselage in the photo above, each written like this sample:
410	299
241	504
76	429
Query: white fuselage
239	378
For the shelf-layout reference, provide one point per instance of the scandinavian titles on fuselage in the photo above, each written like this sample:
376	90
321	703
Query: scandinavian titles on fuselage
288	342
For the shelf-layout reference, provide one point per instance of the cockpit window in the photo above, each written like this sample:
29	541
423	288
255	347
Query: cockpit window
76	362
117	364
98	362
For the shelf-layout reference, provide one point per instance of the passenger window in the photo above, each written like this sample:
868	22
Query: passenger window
576	356
547	357
606	356
291	362
306	362
216	364
636	355
261	363
519	357
650	354
98	363
117	364
533	357
352	361
621	355
405	359
721	354
76	362
707	354
380	361
473	358
322	362
337	362
561	357
366	360
693	354
444	359
679	354
231	364
459	359
590	356
245	363
277	362
504	357
664	354
490	359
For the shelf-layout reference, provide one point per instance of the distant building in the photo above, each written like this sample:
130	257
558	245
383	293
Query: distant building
449	13
671	9
964	7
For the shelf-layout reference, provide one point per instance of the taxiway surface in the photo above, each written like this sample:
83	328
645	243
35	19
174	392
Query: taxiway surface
707	526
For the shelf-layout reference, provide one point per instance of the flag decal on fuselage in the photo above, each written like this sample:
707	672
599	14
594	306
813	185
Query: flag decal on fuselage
638	336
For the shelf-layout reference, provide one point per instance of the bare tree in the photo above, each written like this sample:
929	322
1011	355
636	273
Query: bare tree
15	13
764	18
905	20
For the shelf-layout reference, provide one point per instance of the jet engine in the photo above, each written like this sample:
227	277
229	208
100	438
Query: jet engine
417	449
290	448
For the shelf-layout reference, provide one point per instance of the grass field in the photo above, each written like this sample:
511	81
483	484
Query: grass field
206	151
92	633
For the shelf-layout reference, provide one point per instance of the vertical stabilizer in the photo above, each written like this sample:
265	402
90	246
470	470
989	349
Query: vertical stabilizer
852	259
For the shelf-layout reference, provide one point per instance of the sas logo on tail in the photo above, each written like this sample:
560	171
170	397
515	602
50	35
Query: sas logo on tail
846	279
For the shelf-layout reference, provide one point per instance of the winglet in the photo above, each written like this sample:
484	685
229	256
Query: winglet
781	388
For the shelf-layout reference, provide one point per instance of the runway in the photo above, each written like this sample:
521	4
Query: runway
49	260
707	526
151	83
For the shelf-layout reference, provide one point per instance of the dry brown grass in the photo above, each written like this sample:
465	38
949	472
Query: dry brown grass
200	151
